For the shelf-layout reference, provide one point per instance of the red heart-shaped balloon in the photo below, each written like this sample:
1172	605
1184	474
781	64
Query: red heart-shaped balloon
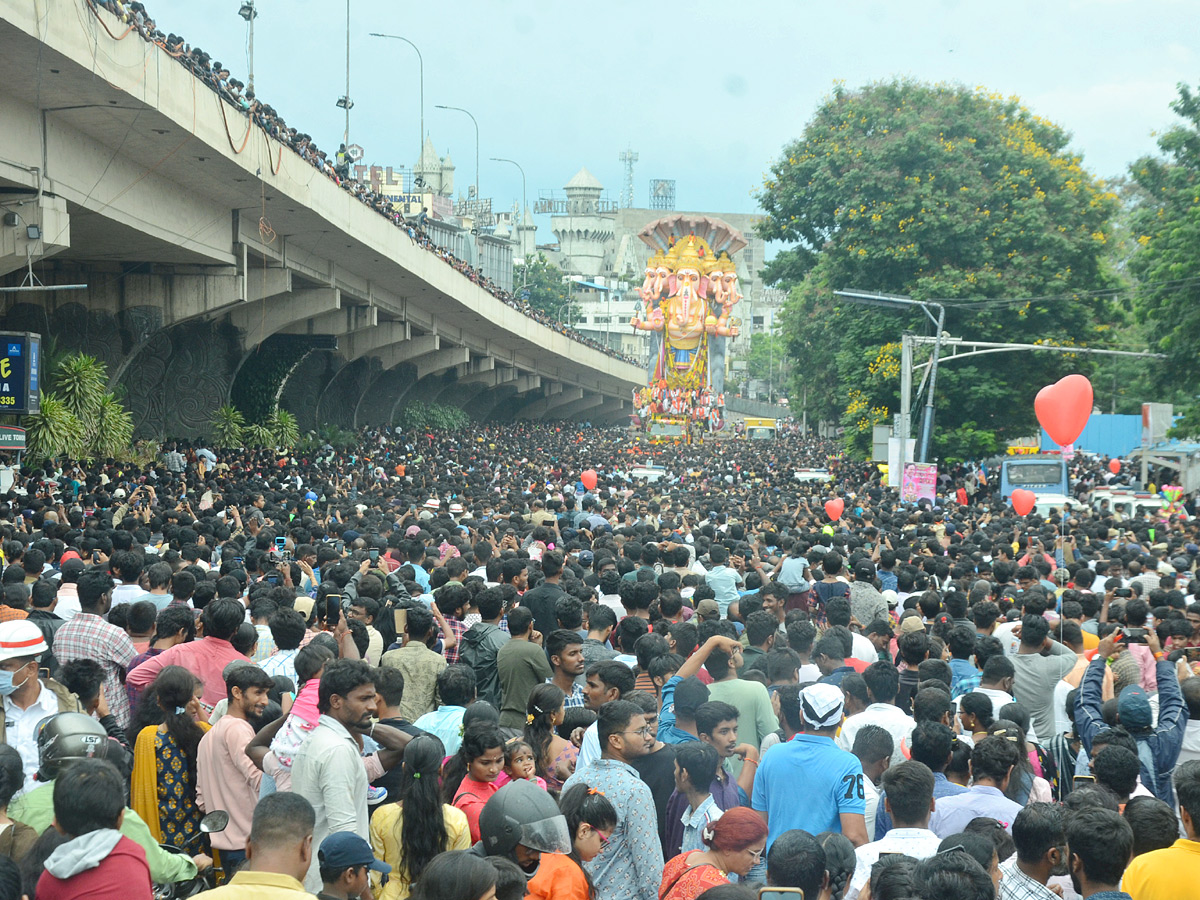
834	508
1022	501
1114	466
1063	408
589	479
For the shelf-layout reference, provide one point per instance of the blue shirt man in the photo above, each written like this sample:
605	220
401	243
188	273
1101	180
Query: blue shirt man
811	766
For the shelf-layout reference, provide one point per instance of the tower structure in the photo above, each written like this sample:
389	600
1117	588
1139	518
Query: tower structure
585	231
628	157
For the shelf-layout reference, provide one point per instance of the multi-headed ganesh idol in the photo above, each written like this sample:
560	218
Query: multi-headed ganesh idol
689	293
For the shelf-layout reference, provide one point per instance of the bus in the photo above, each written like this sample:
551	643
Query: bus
1040	474
761	429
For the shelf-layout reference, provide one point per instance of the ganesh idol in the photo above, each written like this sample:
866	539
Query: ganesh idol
683	317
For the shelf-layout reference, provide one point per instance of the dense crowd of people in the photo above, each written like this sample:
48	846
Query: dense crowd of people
337	169
440	666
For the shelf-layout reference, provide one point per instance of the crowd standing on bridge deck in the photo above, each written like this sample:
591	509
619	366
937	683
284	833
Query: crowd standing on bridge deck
439	666
234	92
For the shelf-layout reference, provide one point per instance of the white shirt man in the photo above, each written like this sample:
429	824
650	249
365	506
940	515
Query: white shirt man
887	716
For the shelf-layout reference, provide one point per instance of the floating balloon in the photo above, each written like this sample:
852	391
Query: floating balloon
1114	466
1022	501
1063	408
834	508
589	479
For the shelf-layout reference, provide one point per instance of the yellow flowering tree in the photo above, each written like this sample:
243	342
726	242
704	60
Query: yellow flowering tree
935	192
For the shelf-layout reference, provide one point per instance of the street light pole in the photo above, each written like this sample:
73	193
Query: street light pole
524	206
421	65
249	13
348	104
898	301
461	110
344	102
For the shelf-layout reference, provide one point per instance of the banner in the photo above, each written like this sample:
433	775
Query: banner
919	482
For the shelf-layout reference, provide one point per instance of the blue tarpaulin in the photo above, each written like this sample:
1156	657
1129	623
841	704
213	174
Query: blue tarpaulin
1108	435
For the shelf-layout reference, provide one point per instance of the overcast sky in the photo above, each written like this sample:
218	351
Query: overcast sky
707	93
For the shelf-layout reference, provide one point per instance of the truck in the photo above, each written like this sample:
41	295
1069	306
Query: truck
761	429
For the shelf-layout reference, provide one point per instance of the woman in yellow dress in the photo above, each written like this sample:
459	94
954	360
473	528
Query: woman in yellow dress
164	761
409	833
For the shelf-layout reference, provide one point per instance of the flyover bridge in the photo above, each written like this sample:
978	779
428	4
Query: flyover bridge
218	264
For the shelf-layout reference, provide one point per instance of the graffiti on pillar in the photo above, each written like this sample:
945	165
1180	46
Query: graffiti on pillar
178	379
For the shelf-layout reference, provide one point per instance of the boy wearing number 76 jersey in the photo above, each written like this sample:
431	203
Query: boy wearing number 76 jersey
809	782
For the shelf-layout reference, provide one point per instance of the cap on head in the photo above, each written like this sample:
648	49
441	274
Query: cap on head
821	705
1133	708
344	849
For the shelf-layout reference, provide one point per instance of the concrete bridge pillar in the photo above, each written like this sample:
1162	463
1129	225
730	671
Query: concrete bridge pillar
555	400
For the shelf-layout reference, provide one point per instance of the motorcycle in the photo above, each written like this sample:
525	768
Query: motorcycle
215	821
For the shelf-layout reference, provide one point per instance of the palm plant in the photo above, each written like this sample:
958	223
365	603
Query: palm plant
228	425
110	431
80	381
52	432
284	428
258	436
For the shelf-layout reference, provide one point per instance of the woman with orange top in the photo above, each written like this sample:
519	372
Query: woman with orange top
591	818
735	843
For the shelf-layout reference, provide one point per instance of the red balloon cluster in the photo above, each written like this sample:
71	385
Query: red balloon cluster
1063	408
588	477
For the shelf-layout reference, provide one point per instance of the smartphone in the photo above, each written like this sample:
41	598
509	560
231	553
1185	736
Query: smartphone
280	543
333	609
95	557
1084	779
340	546
1123	592
400	619
272	578
780	893
373	554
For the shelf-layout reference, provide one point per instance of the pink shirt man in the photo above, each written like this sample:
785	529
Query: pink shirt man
227	779
207	658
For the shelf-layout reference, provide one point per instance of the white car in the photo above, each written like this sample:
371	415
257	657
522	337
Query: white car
650	473
1047	502
806	476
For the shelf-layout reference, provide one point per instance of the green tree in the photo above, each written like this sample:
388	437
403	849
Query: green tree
936	191
1166	228
543	282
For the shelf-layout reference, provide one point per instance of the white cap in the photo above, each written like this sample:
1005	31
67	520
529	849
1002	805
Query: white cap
821	705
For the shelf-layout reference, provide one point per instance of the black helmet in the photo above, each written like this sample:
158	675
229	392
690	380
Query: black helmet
522	813
66	738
